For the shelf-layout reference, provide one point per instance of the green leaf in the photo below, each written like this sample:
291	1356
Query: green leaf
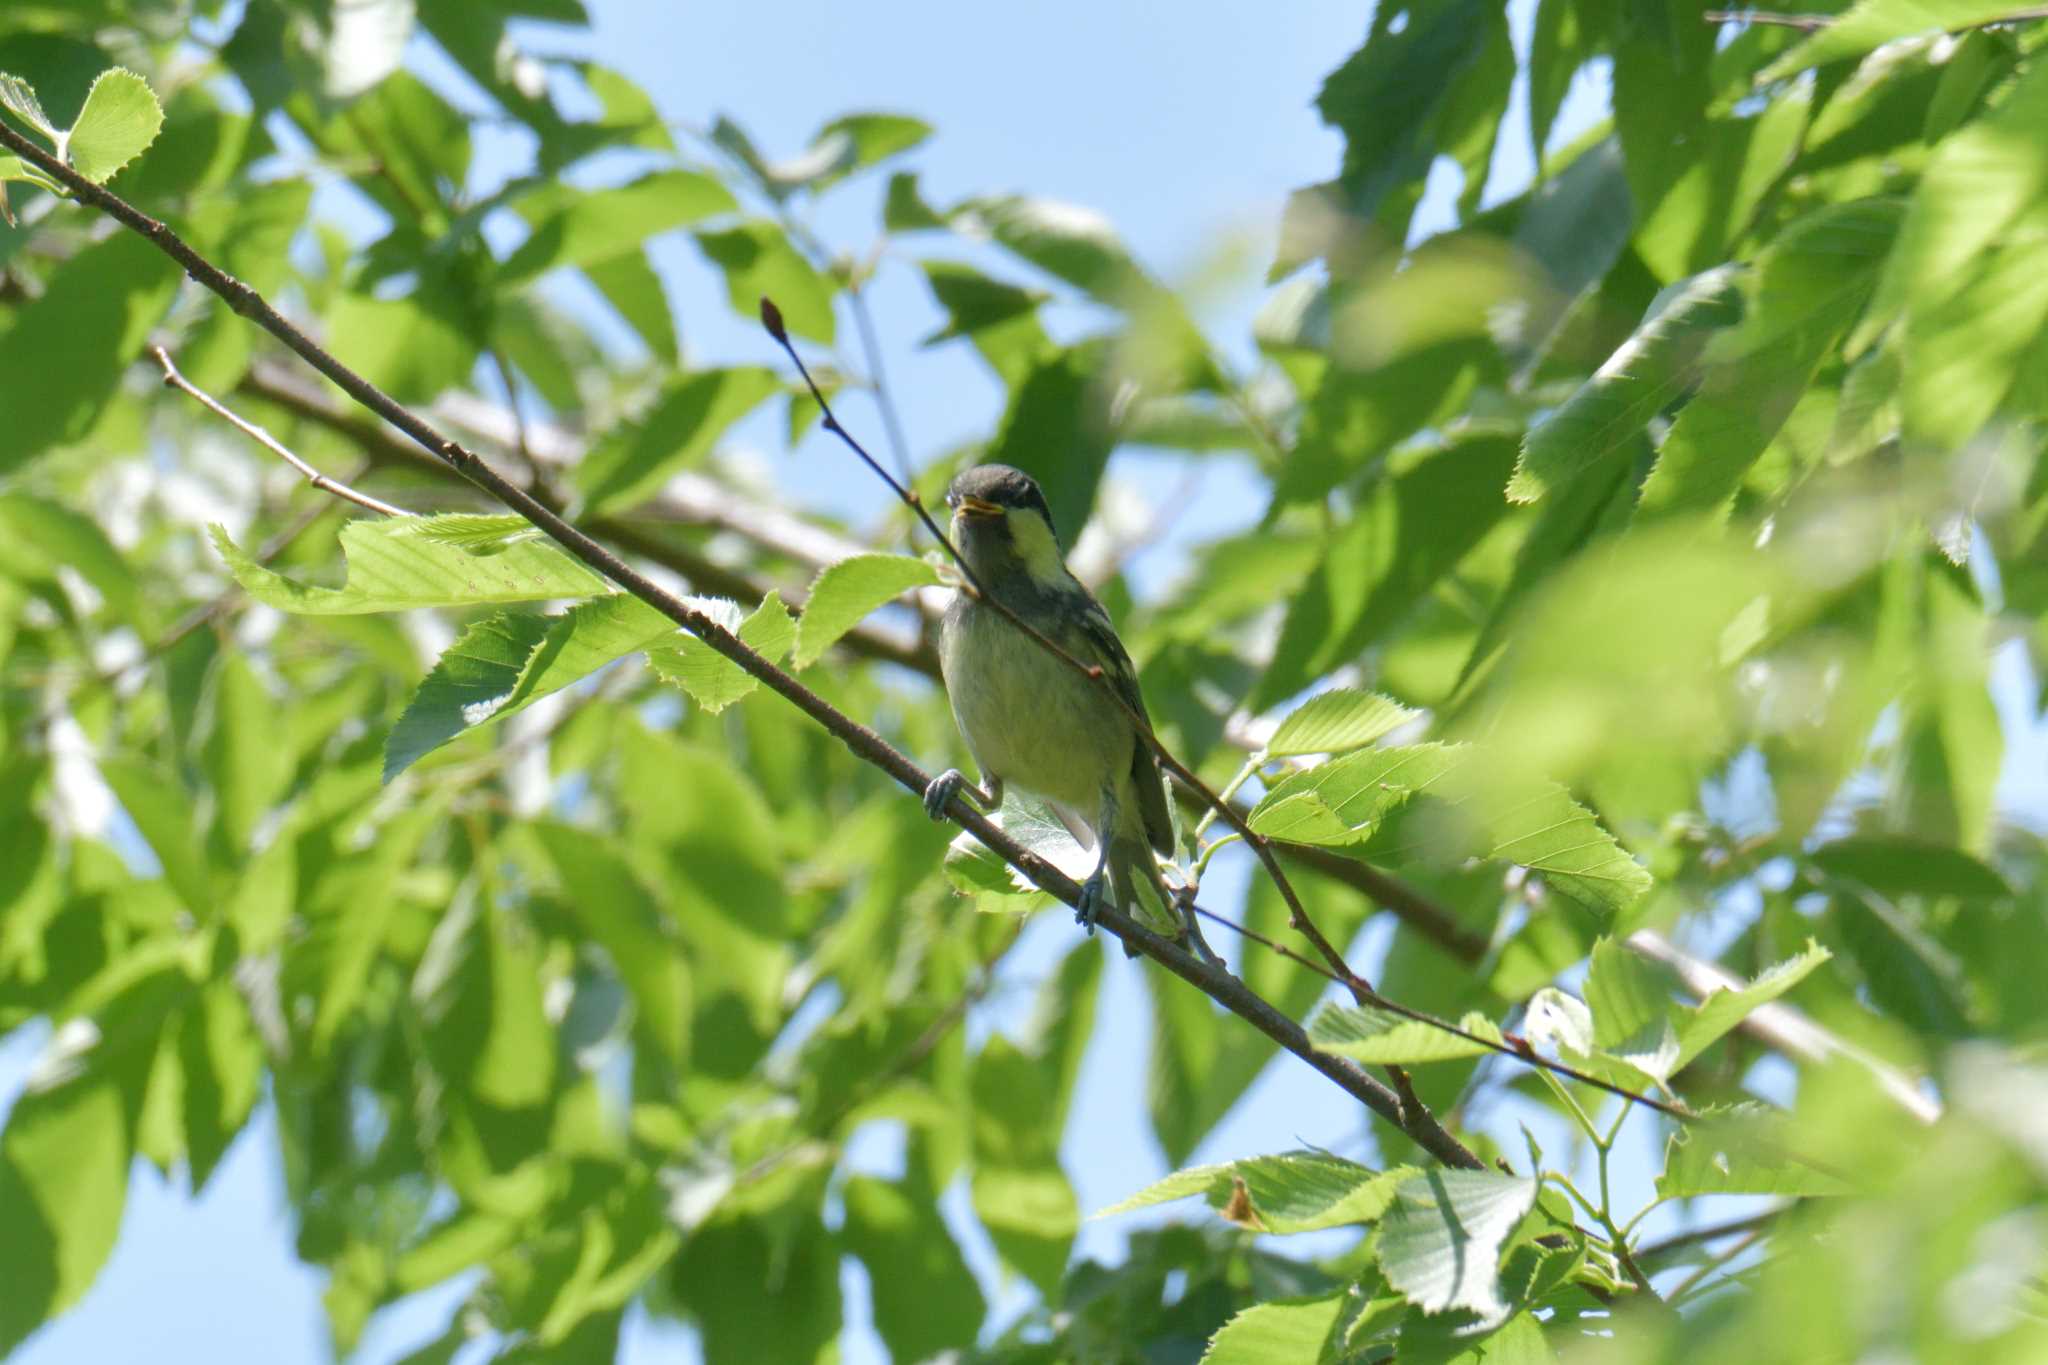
1740	1152
1699	1028
38	537
608	902
1975	306
1336	722
1411	528
630	285
1366	1034
401	562
1632	1011
759	263
65	353
853	142
1900	865
1870	24
1440	1241
844	593
999	318
246	755
713	681
18	97
677	433
1066	241
1649	370
162	810
505	663
63	1182
1387	96
120	119
926	1300
1018	1189
1806	291
357	908
587	228
1291	1192
1277	1333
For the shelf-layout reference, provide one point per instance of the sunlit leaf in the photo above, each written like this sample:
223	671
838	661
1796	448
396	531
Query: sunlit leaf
1440	1241
401	562
120	119
844	593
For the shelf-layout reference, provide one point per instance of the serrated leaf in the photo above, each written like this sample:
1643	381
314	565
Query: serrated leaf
398	563
1476	813
1870	24
1739	1152
1276	1333
844	593
1366	1034
18	97
1701	1026
120	119
713	681
1649	370
1439	1242
1337	722
972	867
1292	1192
505	663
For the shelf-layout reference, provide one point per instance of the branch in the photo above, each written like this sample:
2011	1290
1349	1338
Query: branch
175	380
1233	994
1814	23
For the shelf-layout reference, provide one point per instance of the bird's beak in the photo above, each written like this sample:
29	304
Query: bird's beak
978	507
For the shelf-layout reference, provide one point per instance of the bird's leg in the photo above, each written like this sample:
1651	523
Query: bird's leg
1191	931
1097	885
952	783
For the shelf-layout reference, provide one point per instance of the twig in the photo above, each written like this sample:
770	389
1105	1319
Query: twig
174	380
871	352
1218	984
1516	1046
1814	23
1720	1262
1712	1233
1298	917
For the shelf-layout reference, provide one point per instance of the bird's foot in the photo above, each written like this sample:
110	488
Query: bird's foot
1191	929
941	792
1092	892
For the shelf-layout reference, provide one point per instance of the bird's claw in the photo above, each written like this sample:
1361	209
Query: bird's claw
941	792
1091	902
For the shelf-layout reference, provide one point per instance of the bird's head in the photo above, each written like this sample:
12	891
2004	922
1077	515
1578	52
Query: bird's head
1002	525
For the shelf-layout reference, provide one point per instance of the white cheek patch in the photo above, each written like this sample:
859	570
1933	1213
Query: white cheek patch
1035	545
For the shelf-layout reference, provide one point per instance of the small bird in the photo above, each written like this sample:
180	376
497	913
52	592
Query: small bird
1033	720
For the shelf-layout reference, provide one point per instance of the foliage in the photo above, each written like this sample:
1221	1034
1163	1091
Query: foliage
1634	552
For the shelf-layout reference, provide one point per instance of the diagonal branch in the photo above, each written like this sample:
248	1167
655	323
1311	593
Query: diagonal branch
1413	1120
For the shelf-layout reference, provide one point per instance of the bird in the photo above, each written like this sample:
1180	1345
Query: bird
1032	720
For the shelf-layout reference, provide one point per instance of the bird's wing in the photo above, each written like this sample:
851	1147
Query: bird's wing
1104	648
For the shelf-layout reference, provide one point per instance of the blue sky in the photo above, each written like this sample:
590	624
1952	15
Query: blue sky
1186	125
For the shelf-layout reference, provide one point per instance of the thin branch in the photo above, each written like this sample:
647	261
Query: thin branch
1711	1233
871	352
1218	984
1298	916
1814	23
1516	1046
175	380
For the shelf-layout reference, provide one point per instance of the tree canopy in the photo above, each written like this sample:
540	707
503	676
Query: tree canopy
413	721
